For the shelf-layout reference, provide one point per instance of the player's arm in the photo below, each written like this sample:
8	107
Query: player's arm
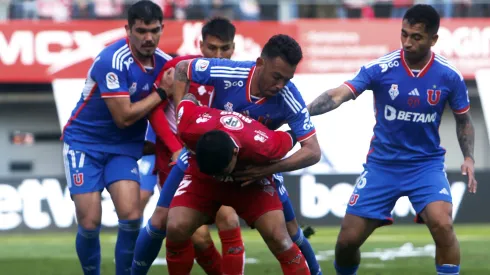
160	125
351	89
459	102
113	86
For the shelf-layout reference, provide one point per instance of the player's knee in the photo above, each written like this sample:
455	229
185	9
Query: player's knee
442	231
159	218
130	214
89	223
277	238
227	220
349	239
178	229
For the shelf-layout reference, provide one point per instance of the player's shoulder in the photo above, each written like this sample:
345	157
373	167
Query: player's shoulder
385	62
291	97
446	67
162	56
223	64
114	55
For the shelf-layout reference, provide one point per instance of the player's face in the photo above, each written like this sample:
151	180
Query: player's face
213	47
274	74
416	41
144	38
231	166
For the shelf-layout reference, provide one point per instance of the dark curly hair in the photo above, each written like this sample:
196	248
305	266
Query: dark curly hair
284	46
424	14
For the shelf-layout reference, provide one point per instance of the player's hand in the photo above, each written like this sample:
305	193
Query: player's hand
168	79
250	174
175	156
468	168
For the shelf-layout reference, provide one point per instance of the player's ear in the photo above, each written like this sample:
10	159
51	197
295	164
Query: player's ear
435	37
259	62
128	30
201	44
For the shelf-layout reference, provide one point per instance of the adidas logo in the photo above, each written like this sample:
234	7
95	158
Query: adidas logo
444	191
134	171
414	92
146	87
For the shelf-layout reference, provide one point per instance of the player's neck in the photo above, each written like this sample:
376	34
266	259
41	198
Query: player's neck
144	60
254	85
419	64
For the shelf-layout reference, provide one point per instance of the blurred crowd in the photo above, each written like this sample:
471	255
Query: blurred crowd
63	10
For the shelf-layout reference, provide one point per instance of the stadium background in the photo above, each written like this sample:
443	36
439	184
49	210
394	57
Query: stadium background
46	47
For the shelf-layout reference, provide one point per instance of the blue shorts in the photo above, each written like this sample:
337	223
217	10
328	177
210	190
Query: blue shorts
148	180
92	171
381	185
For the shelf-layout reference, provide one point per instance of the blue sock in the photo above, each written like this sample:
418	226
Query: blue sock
447	269
88	250
170	186
351	270
147	248
126	240
305	247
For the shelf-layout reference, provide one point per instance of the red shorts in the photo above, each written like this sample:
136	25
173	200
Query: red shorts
207	195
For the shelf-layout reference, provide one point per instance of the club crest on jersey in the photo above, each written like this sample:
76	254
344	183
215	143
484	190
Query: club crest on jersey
112	80
433	97
394	91
132	89
202	65
232	122
229	107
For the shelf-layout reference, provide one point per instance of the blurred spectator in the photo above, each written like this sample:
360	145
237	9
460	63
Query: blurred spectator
4	9
83	9
382	8
108	8
353	8
400	7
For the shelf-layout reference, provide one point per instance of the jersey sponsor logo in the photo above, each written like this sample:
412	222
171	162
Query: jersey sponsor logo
232	122
433	97
229	84
260	136
394	91
386	66
203	118
242	117
112	80
128	62
307	124
202	65
393	114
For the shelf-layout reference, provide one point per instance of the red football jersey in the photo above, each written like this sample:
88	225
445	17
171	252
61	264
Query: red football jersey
257	144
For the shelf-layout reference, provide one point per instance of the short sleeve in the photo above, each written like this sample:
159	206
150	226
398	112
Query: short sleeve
111	79
298	117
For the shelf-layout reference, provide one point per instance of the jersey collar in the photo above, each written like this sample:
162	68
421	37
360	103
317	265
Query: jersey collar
424	69
143	69
248	88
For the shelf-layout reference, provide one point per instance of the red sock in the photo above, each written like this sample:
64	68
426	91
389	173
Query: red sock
210	260
293	262
233	252
180	257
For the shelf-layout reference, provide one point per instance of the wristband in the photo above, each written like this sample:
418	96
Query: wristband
161	92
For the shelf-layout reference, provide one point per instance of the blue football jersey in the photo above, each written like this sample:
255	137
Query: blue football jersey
409	105
231	82
114	73
150	134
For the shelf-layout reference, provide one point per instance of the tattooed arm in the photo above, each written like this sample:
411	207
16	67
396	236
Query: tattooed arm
181	81
330	100
466	137
466	134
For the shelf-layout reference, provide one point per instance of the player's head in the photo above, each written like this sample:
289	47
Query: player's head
144	27
216	153
419	31
217	38
277	64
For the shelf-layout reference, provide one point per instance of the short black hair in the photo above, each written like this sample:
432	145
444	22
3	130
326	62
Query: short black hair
144	10
219	27
214	152
425	14
284	46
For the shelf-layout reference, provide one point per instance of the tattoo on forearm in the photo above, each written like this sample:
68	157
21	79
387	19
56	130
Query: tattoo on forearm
181	71
322	104
466	134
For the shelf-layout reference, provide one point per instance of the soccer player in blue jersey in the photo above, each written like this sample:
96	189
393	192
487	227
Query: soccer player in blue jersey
263	91
146	165
104	137
411	87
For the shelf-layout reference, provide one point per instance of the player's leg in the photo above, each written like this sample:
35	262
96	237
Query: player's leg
150	238
206	254
369	207
122	177
232	247
294	229
84	178
266	215
430	195
193	205
148	180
